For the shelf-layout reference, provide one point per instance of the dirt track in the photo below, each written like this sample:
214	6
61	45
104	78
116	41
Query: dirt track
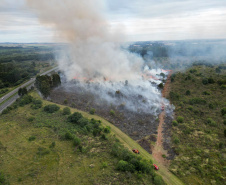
157	150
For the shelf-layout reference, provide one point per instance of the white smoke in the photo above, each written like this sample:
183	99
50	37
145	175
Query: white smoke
94	52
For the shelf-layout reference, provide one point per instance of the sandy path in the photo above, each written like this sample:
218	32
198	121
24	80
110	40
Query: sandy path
157	150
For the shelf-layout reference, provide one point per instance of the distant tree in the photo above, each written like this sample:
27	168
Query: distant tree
22	91
55	80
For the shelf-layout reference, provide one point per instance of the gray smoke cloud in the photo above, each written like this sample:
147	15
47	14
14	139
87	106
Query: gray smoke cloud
95	53
93	49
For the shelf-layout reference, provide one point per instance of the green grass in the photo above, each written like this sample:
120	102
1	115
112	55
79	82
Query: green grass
201	147
129	143
28	155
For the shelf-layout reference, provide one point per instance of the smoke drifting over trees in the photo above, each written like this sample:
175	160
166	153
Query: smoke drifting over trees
93	51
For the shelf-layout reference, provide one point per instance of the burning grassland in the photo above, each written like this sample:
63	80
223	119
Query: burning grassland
133	106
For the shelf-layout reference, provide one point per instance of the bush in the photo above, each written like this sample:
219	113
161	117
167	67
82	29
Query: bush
175	123
42	151
112	113
188	92
26	99
32	138
205	81
5	111
161	86
76	141
51	108
103	136
180	119
107	129
83	122
211	106
36	104
223	111
125	166
30	119
211	122
92	111
65	101
197	101
224	132
225	122
190	108
66	111
68	136
206	93
2	178
75	117
158	180
223	87
176	141
174	96
211	80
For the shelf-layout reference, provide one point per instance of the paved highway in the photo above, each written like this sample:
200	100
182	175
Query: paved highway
13	98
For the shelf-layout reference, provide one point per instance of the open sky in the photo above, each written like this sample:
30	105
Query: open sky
139	20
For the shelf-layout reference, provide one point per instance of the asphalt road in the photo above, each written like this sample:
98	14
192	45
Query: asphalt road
13	98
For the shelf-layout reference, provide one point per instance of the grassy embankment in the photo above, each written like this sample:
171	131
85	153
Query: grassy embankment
199	134
32	151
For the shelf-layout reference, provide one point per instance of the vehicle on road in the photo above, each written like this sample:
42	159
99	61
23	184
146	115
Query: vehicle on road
136	151
156	167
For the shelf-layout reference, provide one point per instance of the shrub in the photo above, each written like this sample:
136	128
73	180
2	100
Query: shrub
36	104
174	96
161	86
188	92
66	111
26	99
83	122
103	136
76	141
112	113
176	140
211	106
180	119
125	166
30	119
206	93
211	122
225	122
223	111
197	101
104	165
175	123
68	136
223	87
107	129
32	138
205	81
65	101
80	148
224	132
75	117
42	151
5	111
190	108
51	108
211	80
2	178
92	111
96	132
158	180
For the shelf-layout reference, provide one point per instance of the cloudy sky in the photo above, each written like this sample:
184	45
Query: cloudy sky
138	20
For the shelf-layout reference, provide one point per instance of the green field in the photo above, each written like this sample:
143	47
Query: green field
28	155
198	133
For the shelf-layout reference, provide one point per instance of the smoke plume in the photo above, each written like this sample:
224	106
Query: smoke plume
95	53
93	50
